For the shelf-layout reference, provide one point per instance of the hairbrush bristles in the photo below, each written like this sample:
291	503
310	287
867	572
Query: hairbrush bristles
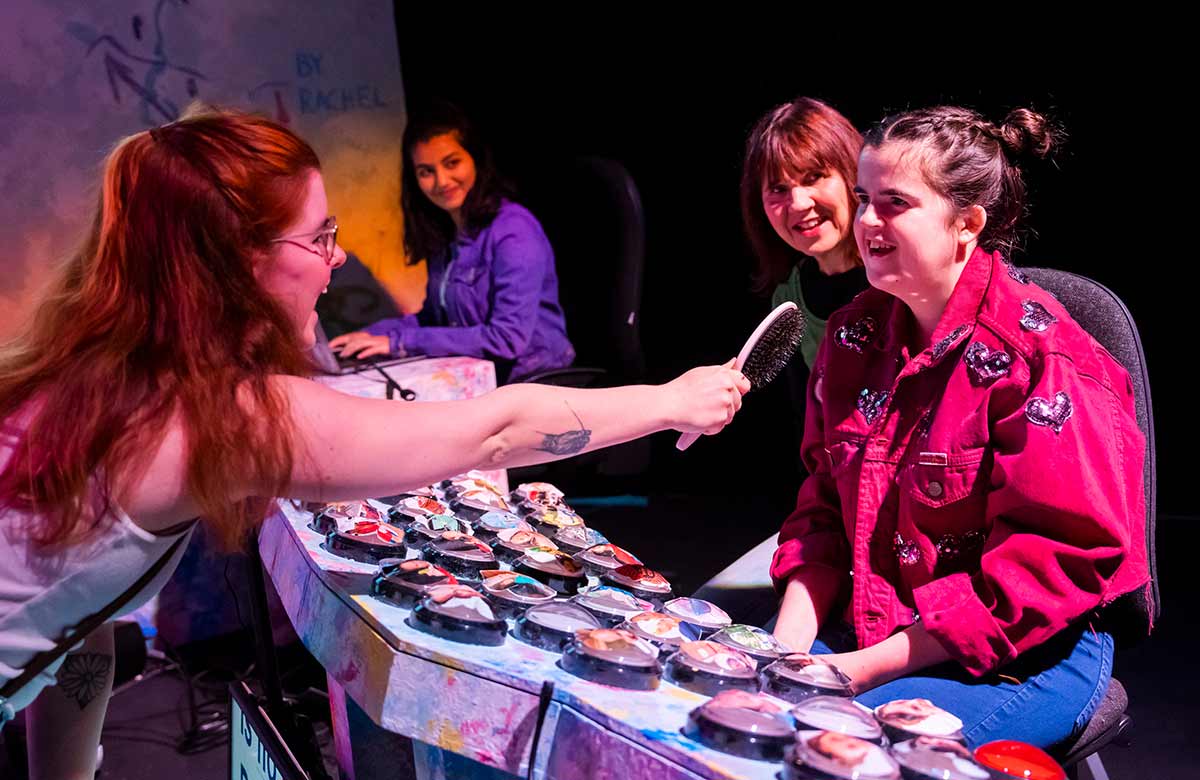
774	348
766	352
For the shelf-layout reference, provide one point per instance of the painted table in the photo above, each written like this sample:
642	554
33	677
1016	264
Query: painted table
430	379
468	710
477	702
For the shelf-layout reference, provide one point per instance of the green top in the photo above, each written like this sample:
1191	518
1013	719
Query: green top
814	326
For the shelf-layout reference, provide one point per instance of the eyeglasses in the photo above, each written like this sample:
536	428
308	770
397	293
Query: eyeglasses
323	243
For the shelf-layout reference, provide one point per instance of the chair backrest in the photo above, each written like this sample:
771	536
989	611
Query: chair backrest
1102	314
592	213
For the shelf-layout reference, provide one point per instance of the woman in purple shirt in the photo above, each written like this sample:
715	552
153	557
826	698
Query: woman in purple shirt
492	291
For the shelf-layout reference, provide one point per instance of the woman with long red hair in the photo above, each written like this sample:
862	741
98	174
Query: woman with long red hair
163	379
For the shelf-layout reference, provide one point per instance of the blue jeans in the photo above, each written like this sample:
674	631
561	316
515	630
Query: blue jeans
1047	695
1044	697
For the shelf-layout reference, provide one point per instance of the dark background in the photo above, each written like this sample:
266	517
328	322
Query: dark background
675	109
673	105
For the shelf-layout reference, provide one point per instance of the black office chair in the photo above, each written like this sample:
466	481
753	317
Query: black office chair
592	213
1102	314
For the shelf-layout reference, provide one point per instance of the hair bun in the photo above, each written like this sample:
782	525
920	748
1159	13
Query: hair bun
1025	132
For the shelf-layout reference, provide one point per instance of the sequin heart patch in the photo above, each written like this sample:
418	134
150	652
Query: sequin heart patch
870	403
1051	415
1036	318
857	335
986	365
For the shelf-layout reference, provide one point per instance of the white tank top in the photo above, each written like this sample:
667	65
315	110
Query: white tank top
43	595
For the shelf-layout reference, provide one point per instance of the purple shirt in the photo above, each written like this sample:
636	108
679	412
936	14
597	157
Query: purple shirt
494	296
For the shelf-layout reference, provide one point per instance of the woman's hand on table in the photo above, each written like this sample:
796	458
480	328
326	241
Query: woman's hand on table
902	653
360	344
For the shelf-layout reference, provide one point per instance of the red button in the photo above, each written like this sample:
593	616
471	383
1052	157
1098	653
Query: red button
1018	759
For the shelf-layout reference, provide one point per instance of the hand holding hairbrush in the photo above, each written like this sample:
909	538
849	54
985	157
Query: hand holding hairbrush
766	352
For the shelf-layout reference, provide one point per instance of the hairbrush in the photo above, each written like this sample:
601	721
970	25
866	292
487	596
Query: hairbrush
766	352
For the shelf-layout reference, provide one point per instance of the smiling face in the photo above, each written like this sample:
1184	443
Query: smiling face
445	172
295	271
914	243
811	210
909	236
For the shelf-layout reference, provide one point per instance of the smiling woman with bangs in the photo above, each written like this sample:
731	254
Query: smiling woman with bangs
798	205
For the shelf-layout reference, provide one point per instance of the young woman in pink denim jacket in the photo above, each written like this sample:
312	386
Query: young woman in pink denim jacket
976	483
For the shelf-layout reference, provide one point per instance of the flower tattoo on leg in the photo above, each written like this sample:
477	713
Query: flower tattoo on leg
83	676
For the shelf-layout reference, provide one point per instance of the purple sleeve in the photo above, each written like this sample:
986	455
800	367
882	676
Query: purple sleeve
396	328
520	256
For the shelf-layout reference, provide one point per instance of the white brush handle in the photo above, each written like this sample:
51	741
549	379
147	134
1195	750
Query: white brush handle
688	439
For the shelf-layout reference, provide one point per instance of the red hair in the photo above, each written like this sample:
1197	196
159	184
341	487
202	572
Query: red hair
787	142
159	318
